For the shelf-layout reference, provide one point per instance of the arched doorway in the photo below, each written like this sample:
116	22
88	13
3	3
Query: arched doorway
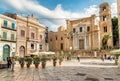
22	51
6	52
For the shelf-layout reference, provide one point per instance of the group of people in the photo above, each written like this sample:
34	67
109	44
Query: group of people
106	57
10	63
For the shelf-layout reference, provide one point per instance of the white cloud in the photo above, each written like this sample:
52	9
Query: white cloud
114	9
59	15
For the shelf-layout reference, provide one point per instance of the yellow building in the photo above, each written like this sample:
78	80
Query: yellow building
30	35
58	40
85	32
88	32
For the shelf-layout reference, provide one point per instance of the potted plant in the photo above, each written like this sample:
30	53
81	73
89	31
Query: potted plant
28	61
36	61
21	61
60	60
54	61
43	61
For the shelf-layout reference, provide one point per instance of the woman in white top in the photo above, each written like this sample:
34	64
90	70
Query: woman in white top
13	63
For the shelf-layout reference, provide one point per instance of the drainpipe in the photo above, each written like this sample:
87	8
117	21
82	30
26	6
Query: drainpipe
27	35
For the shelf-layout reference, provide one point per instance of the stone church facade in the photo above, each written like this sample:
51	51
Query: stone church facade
85	34
88	32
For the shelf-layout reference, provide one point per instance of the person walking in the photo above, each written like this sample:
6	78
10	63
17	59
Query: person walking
78	58
12	63
102	58
9	62
105	56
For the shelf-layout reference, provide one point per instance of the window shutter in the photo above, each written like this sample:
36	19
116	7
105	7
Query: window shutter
4	35
13	26
5	23
12	37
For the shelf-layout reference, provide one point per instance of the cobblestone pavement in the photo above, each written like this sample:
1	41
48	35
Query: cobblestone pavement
69	71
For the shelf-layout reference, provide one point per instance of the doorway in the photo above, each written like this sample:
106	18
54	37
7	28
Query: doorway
22	51
6	52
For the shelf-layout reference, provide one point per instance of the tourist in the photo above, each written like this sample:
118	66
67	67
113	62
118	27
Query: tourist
13	63
102	58
105	56
78	58
8	62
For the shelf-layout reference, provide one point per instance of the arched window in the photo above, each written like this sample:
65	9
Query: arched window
104	18
104	8
22	33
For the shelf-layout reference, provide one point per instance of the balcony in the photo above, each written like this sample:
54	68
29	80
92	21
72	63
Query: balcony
34	40
9	28
8	40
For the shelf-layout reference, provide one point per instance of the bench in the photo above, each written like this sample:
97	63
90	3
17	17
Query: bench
3	65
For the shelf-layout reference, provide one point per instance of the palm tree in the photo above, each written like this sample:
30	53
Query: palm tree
105	40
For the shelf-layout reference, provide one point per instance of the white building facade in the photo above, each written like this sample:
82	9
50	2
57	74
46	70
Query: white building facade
7	37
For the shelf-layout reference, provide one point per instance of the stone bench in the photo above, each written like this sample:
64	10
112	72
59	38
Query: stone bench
3	65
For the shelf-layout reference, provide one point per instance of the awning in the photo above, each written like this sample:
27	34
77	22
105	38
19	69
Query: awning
46	53
115	51
34	53
43	53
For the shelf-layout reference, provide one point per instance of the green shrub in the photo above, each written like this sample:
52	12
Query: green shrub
36	60
60	59
28	60
43	59
21	60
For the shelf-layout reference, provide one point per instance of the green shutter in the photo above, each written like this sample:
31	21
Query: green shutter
5	23
12	37
13	26
4	35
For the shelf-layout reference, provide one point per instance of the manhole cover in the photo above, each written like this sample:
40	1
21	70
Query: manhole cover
80	74
108	78
91	79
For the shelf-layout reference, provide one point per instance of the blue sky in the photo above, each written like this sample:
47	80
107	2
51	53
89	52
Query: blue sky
56	11
72	5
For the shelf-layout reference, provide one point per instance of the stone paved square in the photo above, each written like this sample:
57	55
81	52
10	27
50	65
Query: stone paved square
78	71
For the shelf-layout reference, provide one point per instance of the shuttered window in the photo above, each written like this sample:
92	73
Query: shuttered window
13	26
5	23
4	35
22	33
12	37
